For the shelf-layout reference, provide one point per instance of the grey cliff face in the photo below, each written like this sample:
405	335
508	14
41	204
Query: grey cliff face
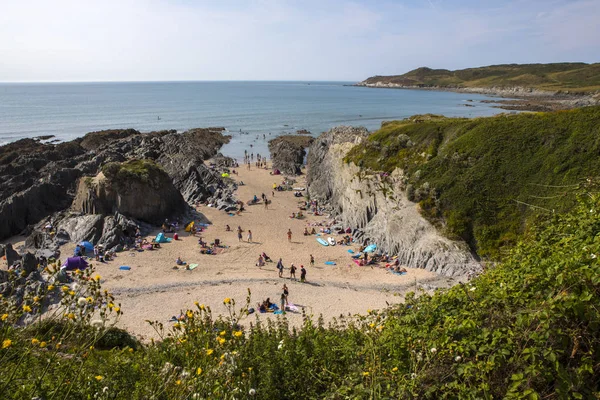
377	207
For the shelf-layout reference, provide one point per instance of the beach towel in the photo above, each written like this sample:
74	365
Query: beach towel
350	251
192	267
278	312
398	273
357	262
124	268
330	263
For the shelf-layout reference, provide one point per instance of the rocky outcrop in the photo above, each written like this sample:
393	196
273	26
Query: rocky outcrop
139	189
39	179
377	206
288	152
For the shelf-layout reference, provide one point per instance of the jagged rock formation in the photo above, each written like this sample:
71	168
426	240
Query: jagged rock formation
139	189
377	205
287	153
39	179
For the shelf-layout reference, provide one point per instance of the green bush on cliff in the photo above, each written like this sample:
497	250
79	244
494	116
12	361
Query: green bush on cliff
134	170
483	179
526	328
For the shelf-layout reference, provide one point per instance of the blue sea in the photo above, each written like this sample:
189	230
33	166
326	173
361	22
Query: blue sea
70	110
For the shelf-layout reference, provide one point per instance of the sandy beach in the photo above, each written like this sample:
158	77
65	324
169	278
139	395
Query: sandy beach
153	290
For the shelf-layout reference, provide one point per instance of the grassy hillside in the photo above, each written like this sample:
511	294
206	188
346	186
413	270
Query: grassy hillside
578	77
527	329
484	179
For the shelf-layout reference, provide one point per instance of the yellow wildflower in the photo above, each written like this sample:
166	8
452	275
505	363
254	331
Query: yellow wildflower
65	288
58	345
196	304
117	309
50	287
4	317
221	340
110	305
26	308
365	373
35	342
227	300
198	371
176	325
371	325
71	293
89	300
222	333
237	333
43	344
178	382
395	369
71	316
130	350
209	352
97	278
36	299
189	314
6	343
99	377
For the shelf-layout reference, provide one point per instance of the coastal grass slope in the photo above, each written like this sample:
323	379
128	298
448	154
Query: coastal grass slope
527	328
572	77
483	180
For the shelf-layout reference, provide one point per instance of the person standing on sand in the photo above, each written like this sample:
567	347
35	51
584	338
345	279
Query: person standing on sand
302	274
266	203
289	233
312	261
283	303
293	272
249	236
239	236
286	292
280	268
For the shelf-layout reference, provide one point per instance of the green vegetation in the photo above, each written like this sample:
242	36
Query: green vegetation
579	77
529	328
485	179
134	170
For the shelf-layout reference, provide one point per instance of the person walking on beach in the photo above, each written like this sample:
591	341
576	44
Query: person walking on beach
289	233
293	272
280	267
266	203
249	236
302	274
312	261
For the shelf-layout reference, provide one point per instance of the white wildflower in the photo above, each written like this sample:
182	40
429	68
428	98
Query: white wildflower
280	345
81	301
252	392
413	375
593	255
419	357
433	350
105	389
457	358
97	323
472	289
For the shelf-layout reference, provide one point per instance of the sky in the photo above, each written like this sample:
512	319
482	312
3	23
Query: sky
158	40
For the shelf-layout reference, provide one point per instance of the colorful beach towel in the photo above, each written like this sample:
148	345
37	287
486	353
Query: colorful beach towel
192	267
124	268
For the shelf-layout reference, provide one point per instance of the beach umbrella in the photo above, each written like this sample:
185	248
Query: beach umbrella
87	246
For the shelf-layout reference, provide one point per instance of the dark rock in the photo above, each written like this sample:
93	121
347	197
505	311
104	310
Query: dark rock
11	255
287	153
39	179
29	263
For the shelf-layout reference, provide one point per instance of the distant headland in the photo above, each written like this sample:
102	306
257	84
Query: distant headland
544	86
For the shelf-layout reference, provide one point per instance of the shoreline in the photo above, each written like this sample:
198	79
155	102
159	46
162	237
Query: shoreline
513	99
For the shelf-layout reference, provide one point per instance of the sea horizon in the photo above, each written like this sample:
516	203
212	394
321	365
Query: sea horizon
255	108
